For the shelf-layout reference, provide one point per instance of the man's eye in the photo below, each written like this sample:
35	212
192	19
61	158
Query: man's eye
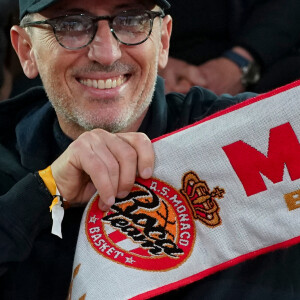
70	26
134	24
132	21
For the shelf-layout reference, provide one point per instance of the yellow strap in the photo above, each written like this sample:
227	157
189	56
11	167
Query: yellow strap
49	181
54	202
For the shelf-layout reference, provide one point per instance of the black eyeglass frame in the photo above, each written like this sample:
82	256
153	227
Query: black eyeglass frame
95	19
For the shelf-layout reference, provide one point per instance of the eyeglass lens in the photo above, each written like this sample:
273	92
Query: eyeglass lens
77	31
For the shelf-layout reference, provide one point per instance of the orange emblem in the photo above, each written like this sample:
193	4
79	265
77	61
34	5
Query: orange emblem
201	199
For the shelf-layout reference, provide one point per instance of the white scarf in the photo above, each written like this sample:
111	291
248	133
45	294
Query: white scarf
224	190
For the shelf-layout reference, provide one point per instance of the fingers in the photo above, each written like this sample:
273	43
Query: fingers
181	82
182	86
124	155
103	170
124	161
194	75
103	161
170	81
144	150
87	163
173	73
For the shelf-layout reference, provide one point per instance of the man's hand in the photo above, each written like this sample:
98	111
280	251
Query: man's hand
219	75
180	76
222	76
104	162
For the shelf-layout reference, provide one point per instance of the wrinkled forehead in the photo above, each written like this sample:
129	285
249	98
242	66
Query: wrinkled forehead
95	6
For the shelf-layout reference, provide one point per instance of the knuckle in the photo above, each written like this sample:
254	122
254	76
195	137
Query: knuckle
130	154
93	135
77	145
92	158
97	131
128	182
141	138
85	135
113	166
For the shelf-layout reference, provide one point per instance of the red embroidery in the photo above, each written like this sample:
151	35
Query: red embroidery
248	163
151	229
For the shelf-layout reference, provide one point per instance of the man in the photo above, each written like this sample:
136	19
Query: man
98	62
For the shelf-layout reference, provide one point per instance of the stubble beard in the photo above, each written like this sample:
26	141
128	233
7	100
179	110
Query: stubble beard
86	121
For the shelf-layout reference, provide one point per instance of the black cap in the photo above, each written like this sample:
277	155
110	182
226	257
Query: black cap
32	6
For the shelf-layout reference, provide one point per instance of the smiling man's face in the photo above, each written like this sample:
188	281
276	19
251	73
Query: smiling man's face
106	84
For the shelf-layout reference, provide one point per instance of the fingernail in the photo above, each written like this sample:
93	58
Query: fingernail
103	207
110	201
147	173
106	206
122	195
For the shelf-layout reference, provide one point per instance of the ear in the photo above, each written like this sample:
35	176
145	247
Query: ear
21	42
165	41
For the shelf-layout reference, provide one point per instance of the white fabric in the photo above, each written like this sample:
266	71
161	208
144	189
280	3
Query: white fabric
57	216
248	224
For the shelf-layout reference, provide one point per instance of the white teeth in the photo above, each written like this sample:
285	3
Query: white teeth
108	84
103	84
95	84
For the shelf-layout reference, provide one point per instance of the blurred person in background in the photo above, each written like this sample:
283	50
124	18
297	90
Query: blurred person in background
230	46
12	79
8	8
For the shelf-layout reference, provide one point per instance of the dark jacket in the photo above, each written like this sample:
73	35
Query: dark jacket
34	264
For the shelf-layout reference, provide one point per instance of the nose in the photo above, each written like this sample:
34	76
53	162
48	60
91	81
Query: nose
104	49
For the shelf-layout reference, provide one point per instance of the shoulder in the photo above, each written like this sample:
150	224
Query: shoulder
12	110
197	104
24	101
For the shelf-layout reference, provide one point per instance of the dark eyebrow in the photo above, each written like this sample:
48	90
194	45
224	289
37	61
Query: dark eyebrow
116	10
76	11
129	7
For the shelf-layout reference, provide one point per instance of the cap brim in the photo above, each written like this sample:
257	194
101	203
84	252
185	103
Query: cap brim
163	4
43	4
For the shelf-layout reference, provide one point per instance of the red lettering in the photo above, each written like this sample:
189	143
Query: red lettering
249	163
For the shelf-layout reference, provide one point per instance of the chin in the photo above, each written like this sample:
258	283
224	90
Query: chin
108	125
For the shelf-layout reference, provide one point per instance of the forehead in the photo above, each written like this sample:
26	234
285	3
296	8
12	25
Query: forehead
109	6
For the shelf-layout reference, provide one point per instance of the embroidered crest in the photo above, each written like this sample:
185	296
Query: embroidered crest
151	229
201	199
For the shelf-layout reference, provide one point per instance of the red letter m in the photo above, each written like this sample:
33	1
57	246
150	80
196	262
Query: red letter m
248	163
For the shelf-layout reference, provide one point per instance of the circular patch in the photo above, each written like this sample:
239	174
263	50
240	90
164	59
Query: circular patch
151	229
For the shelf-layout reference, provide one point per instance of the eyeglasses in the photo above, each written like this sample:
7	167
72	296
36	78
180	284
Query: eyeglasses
73	32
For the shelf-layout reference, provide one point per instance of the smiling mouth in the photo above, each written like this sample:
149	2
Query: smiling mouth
101	84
